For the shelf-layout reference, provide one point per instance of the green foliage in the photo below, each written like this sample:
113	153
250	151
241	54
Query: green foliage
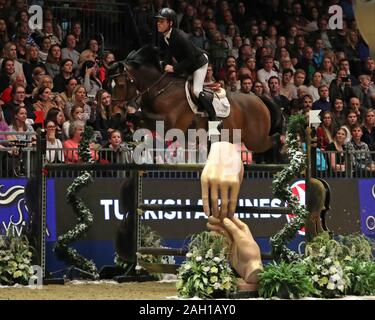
206	273
15	260
285	280
362	277
281	190
84	216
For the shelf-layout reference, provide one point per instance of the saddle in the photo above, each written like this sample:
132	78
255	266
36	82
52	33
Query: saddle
218	97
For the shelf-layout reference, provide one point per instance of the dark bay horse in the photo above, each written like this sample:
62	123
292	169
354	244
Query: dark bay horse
162	97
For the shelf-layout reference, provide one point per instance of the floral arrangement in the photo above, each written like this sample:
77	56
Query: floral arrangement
206	272
84	215
281	190
15	260
151	239
329	268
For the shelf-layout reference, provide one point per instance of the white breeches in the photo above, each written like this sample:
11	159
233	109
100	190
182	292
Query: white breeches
198	79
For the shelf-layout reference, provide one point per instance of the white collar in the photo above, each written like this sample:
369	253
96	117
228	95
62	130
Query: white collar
167	35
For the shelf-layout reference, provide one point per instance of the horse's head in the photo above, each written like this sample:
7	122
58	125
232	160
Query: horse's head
147	56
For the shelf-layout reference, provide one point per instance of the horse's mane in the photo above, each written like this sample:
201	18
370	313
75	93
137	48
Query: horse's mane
147	55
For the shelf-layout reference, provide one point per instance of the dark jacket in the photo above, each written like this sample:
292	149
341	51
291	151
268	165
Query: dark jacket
189	58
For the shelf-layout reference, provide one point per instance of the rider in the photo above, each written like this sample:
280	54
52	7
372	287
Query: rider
190	58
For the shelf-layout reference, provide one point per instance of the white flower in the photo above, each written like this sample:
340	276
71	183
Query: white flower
335	277
328	260
331	286
213	279
332	270
217	259
189	255
187	266
315	278
340	287
199	258
206	269
325	272
217	285
214	270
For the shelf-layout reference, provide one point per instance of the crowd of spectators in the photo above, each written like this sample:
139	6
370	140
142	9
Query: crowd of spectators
284	50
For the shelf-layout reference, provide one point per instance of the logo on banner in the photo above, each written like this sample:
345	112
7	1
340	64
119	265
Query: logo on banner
13	209
367	206
299	190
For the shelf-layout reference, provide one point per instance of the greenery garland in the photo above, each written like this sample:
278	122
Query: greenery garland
281	190
84	215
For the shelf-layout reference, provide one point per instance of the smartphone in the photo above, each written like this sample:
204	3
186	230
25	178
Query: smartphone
345	79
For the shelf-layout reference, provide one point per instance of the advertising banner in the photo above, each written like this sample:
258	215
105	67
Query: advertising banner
367	206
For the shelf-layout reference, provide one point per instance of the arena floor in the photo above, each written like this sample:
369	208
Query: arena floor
94	290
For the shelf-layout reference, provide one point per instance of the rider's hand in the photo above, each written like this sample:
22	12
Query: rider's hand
244	251
169	68
222	175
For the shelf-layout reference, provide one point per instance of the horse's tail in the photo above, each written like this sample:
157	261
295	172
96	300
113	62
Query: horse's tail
276	115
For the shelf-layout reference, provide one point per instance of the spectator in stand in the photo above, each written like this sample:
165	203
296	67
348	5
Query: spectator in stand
7	71
369	68
318	52
48	32
306	102
10	52
115	150
266	72
230	62
246	85
38	73
45	45
363	90
336	158
281	101
323	103
4	38
20	124
338	112
307	64
18	100
108	59
88	77
54	153
297	19
350	121
32	62
258	88
44	102
326	130
56	28
187	20
250	64
368	129
299	47
6	95
210	80
80	99
344	64
245	52
67	94
93	45
231	83
76	113
356	51
359	153
45	81
315	84
54	61
298	81
69	52
77	33
328	71
287	88
198	35
355	105
57	116
291	38
341	87
102	122
66	72
71	145
218	50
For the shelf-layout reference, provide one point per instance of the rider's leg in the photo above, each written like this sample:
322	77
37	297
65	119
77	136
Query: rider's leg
198	80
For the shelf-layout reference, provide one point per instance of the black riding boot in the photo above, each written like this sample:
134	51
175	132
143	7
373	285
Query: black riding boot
207	105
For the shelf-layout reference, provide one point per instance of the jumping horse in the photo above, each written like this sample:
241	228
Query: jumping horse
162	97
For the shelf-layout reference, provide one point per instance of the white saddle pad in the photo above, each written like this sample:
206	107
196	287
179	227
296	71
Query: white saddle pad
220	103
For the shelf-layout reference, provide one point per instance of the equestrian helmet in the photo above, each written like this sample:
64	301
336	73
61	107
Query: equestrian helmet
167	13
